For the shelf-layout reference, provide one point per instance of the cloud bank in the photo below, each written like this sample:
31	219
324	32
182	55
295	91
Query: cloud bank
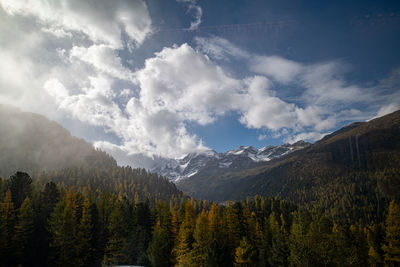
63	59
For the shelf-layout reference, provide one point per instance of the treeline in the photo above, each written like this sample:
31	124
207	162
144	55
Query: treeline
137	184
57	225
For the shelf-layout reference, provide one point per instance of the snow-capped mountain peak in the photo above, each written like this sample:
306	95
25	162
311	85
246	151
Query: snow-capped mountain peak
242	157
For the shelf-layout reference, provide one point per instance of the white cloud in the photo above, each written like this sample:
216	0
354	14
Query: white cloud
195	11
262	137
184	81
123	156
325	85
309	136
178	85
260	108
101	21
63	57
392	107
67	41
102	57
219	48
278	68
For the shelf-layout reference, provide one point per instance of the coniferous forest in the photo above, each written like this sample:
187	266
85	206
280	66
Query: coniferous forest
90	218
199	133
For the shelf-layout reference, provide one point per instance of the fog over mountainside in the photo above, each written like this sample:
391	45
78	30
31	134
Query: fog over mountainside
30	142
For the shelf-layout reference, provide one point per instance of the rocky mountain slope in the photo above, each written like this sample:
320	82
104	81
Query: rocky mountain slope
198	164
365	155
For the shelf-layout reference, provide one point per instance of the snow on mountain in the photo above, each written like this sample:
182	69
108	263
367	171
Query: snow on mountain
242	157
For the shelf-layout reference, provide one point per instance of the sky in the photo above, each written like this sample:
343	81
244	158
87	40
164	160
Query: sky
163	78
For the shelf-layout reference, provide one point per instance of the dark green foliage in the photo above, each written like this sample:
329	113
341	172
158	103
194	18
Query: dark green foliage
117	237
61	228
160	248
20	186
86	228
24	229
392	244
7	222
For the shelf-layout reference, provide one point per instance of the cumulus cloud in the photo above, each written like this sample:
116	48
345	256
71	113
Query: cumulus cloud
195	11
68	41
104	58
179	85
278	68
101	21
63	57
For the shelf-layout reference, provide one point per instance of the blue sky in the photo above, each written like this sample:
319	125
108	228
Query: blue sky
164	77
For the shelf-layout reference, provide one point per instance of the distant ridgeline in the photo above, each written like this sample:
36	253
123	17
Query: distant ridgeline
352	169
335	203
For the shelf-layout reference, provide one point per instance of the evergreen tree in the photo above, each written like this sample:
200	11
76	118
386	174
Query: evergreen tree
279	248
185	237
21	187
301	253
392	246
84	249
376	237
245	254
61	228
232	226
7	221
162	242
117	238
160	247
24	233
202	240
320	234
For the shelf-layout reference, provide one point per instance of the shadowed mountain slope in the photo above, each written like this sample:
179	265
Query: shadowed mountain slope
356	162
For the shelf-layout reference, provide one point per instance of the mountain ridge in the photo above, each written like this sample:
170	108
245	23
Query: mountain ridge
370	147
194	164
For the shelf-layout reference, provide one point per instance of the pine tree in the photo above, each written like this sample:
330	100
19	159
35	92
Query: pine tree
162	242
392	246
232	226
202	240
160	247
375	241
21	187
279	252
300	247
218	252
320	234
7	221
24	233
185	237
61	228
117	238
84	250
245	254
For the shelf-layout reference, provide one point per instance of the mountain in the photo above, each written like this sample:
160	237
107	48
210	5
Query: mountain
44	149
196	165
30	142
357	162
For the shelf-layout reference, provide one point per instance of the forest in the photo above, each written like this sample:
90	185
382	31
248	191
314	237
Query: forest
54	220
